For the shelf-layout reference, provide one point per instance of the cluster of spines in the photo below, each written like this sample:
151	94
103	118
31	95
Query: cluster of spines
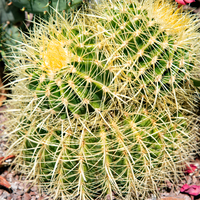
154	60
71	77
122	155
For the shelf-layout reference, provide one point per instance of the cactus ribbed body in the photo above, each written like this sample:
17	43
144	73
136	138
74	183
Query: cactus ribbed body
122	155
82	121
151	50
69	79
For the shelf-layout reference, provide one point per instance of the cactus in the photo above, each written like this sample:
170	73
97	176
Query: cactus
68	79
130	154
45	5
10	13
10	20
81	122
155	48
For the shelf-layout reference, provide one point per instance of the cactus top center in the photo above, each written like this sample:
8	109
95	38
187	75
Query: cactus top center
55	56
170	18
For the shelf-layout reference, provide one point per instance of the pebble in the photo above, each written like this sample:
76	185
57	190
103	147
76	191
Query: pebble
32	193
21	186
40	198
17	177
172	198
14	196
27	187
4	174
27	196
4	195
34	189
19	192
14	185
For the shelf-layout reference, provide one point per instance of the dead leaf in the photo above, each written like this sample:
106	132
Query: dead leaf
2	159
2	92
4	182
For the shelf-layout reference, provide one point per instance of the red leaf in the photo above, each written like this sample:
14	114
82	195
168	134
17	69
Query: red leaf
184	2
4	182
190	168
8	157
193	190
184	187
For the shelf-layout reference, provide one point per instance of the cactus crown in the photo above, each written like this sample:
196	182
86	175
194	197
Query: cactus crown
172	19
55	57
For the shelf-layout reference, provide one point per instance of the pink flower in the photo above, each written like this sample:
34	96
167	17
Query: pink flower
190	168
184	2
193	190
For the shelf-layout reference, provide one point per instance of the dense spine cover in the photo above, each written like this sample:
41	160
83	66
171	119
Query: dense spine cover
97	103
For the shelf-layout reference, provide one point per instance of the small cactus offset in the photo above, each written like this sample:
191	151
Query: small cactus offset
96	106
11	19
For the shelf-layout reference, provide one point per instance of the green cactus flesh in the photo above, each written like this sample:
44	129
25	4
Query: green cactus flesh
81	118
10	13
41	6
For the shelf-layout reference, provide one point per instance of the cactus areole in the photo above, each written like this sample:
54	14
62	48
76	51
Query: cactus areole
98	101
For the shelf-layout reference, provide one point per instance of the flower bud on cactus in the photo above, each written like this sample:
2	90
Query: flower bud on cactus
81	121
